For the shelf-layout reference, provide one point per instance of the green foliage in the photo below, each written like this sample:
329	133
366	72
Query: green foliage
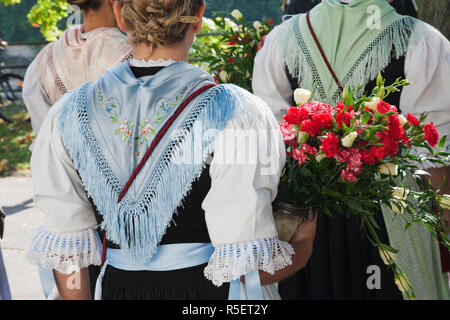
9	2
15	140
14	25
49	16
46	14
230	54
252	9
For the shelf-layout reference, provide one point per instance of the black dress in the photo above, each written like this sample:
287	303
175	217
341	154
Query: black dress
338	266
189	226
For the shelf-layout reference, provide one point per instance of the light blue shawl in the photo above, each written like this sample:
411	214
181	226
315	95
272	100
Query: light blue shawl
108	125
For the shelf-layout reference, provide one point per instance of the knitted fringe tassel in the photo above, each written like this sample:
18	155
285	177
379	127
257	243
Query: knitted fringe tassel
394	39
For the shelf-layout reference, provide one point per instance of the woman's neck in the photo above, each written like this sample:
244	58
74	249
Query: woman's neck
101	18
142	51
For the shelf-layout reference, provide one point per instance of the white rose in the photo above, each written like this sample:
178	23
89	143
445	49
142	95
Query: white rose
400	193
302	96
387	256
223	75
320	156
348	140
388	169
257	25
372	105
444	201
237	14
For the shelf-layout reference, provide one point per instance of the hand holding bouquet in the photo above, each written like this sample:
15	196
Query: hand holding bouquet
343	159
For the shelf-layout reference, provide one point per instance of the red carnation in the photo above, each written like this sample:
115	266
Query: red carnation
395	127
412	120
296	115
330	145
378	152
324	120
344	117
384	107
348	175
310	127
431	134
390	144
288	131
301	155
369	157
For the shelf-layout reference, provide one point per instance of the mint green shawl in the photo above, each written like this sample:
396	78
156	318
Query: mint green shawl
359	39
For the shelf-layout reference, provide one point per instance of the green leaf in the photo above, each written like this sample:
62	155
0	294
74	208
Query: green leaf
442	142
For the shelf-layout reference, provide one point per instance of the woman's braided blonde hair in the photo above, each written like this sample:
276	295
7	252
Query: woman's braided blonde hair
158	22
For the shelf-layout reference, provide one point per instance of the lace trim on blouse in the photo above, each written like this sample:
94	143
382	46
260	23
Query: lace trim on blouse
151	63
231	261
65	252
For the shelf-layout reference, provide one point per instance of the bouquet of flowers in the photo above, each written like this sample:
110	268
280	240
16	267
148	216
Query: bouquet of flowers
349	159
231	56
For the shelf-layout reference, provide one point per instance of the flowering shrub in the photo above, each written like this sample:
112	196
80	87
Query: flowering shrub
344	160
230	56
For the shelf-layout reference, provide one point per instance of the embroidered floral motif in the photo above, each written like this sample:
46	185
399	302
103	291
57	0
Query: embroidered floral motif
137	136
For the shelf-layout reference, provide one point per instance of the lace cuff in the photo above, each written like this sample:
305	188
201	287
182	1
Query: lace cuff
231	261
65	252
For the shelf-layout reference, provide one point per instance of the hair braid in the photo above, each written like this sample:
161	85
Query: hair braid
157	22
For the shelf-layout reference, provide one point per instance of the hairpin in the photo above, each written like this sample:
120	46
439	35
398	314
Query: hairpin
189	19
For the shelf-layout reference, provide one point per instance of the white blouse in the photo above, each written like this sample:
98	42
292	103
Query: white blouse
427	66
87	63
238	206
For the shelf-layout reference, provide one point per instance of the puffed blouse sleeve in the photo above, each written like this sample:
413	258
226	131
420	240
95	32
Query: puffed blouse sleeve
245	171
427	66
270	76
67	241
34	95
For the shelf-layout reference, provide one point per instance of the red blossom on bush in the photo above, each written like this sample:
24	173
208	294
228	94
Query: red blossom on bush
431	134
261	43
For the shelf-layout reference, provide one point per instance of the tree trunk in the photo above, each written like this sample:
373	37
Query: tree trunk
436	13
